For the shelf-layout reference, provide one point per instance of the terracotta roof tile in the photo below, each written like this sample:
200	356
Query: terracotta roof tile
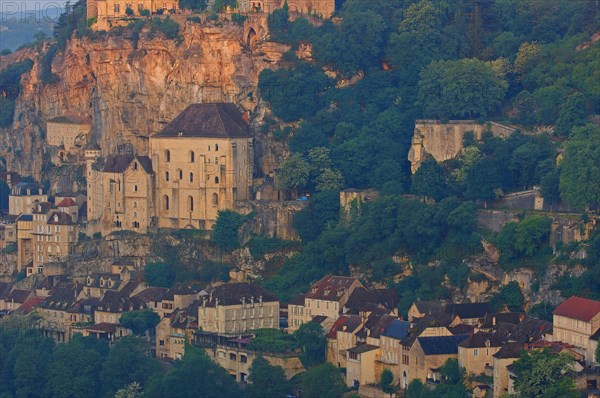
578	308
66	202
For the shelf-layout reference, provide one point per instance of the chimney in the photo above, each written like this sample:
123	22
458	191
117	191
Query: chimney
216	302
246	117
260	300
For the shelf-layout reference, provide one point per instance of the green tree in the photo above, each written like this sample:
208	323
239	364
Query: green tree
311	338
128	362
451	372
329	180
580	168
221	5
542	374
196	375
323	381
133	390
509	295
531	234
463	88
225	230
194	5
429	180
416	389
267	381
572	114
159	274
386	382
75	367
140	321
293	173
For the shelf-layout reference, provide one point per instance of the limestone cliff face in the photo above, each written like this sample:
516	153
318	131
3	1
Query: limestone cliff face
130	90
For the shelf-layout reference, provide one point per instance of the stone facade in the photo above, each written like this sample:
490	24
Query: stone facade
68	131
23	196
108	13
574	321
444	141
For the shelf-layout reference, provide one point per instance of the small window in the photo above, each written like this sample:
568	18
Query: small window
167	176
216	147
135	188
135	166
135	205
215	199
192	157
167	155
166	202
181	174
190	203
216	180
191	177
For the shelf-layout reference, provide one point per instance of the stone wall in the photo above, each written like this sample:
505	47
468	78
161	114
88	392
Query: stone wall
444	141
272	219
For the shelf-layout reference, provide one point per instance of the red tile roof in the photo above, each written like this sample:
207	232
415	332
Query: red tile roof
29	304
66	202
578	308
330	288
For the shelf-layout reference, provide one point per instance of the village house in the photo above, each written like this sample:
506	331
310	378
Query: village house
506	355
419	309
174	330
341	337
164	301
468	313
575	320
15	299
120	192
428	354
23	196
325	297
360	367
97	284
391	346
24	241
67	134
54	311
53	234
203	162
8	230
475	353
238	307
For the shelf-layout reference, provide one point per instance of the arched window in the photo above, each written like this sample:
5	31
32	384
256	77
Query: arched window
135	205
216	147
191	177
166	202
215	199
180	174
216	180
190	203
209	147
167	155
167	176
192	157
135	188
135	165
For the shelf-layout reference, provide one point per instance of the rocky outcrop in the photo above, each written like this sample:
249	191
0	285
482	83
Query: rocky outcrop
272	219
444	141
132	87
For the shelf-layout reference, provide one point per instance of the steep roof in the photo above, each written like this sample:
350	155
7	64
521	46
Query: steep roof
481	339
60	218
441	345
234	293
428	307
66	202
330	288
30	304
116	302
363	299
92	144
120	163
18	296
215	120
360	349
153	293
397	329
509	350
578	308
469	310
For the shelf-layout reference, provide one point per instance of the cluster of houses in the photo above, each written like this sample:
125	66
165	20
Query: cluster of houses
364	331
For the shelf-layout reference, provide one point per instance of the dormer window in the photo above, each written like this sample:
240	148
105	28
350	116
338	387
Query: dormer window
101	282
56	218
339	293
89	280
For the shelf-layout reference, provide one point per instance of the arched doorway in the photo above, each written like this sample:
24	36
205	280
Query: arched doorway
251	38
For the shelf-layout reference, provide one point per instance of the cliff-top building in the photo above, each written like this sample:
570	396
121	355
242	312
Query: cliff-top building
68	131
108	13
203	161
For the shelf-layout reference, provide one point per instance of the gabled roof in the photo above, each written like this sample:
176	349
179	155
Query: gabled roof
397	329
60	218
428	307
42	208
120	163
441	345
363	299
30	304
330	288
153	293
18	296
216	120
5	288
469	310
66	202
116	302
578	308
509	350
481	340
234	293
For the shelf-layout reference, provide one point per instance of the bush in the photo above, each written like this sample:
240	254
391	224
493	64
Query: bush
129	12
225	231
195	19
167	26
239	19
145	13
160	274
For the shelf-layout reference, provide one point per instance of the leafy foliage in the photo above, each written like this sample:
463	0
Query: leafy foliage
311	339
10	87
159	274
225	230
139	321
542	374
266	380
323	381
510	295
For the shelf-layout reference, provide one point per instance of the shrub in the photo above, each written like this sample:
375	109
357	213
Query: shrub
129	12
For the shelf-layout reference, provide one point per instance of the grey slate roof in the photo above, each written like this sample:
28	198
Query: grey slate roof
397	329
441	345
216	120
